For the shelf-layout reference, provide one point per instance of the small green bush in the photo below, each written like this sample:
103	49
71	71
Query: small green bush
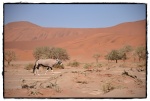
98	65
87	66
73	64
29	66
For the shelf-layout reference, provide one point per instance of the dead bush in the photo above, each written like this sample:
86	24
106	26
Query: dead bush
50	85
82	82
26	85
74	71
141	67
29	66
98	65
87	66
34	92
73	63
127	74
107	87
41	84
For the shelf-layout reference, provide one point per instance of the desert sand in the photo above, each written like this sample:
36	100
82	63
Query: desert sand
81	44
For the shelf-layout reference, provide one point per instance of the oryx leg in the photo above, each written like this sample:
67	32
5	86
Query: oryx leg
37	70
48	69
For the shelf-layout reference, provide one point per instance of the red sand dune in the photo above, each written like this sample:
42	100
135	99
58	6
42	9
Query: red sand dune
81	43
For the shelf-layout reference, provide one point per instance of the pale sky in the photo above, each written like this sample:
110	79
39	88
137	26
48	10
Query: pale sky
74	15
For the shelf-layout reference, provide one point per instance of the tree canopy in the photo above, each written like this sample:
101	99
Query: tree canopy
52	52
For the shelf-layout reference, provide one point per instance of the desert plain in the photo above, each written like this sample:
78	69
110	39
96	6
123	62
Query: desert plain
124	79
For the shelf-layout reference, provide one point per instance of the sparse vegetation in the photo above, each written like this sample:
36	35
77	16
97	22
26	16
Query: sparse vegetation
25	85
34	92
73	63
141	67
41	84
142	64
141	52
90	65
87	66
120	54
127	49
82	82
9	56
74	71
29	66
59	53
138	81
96	56
127	74
98	65
107	87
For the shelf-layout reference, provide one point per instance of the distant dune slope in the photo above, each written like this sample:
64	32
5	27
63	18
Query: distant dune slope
79	42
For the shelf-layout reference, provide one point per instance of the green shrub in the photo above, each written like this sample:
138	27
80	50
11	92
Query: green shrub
120	54
113	55
29	66
73	64
98	65
87	66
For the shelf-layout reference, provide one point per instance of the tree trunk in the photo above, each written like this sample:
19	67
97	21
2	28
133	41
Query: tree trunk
116	61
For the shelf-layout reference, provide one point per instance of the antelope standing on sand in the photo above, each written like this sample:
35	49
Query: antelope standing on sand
49	63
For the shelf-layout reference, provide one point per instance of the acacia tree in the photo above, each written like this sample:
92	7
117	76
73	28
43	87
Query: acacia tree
107	57
127	48
40	52
9	56
61	54
124	51
53	53
141	52
134	55
96	56
123	54
113	55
